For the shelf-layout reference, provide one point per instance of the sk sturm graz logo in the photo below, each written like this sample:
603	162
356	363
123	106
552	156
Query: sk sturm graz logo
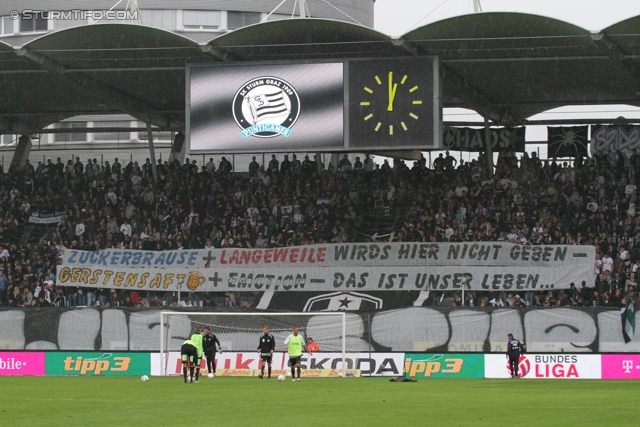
265	107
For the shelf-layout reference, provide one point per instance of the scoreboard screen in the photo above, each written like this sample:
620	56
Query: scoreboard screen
368	104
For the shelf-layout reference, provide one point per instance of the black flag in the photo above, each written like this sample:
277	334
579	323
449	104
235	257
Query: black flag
567	141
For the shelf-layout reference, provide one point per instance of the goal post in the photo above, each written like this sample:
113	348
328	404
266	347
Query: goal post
240	332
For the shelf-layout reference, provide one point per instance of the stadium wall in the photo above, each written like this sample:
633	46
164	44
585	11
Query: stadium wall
417	329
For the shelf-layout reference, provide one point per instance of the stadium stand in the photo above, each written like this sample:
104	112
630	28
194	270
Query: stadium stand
295	202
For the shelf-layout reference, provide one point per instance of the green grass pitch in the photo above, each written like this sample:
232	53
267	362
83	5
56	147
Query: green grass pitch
126	401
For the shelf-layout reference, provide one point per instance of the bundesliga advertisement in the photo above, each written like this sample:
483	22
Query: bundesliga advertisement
546	366
277	107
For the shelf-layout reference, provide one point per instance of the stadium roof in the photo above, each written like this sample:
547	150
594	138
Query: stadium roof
506	66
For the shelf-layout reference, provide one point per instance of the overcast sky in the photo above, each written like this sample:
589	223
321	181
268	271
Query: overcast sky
397	17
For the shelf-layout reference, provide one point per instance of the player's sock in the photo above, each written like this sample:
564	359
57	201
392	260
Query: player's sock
191	372
214	366
262	371
298	372
293	372
269	371
197	373
184	373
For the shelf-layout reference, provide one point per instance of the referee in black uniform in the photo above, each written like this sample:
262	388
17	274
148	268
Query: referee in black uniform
514	348
209	342
266	347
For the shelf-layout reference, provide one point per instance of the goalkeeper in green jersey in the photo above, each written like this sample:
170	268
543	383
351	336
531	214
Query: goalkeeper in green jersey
294	344
196	338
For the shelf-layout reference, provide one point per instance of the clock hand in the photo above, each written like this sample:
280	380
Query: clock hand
393	87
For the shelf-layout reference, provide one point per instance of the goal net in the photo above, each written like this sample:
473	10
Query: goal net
240	332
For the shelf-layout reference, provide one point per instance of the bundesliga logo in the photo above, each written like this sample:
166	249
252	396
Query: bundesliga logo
524	366
265	107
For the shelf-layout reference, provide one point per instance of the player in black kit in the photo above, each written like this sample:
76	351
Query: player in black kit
209	342
266	347
514	348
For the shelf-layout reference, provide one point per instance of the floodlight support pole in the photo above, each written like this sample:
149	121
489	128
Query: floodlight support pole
152	153
302	7
487	136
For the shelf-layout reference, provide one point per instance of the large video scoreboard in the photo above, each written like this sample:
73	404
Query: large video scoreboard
373	104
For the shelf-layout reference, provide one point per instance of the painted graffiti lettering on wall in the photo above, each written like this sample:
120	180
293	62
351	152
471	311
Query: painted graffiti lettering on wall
553	330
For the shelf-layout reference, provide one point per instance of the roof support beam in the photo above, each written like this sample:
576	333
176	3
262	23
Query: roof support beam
616	53
406	46
471	95
10	125
478	100
219	53
109	95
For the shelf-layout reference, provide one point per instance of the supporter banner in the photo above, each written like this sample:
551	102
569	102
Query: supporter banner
341	255
49	218
105	364
21	364
368	364
615	138
567	141
327	278
550	366
411	329
621	366
444	365
474	139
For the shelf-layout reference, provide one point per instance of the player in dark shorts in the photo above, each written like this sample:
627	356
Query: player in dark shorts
189	356
266	347
209	341
514	349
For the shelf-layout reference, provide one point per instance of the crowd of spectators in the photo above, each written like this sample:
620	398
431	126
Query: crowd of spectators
299	202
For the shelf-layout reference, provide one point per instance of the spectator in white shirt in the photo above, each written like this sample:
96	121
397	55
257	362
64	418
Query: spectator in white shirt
79	229
607	263
125	228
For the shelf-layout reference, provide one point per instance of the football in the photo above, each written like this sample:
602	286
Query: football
211	375
281	377
144	378
339	374
288	374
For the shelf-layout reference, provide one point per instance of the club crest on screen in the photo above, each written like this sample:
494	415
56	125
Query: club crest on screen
265	107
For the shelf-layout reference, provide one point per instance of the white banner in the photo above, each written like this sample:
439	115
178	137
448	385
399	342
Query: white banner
554	366
50	218
370	364
343	255
328	278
